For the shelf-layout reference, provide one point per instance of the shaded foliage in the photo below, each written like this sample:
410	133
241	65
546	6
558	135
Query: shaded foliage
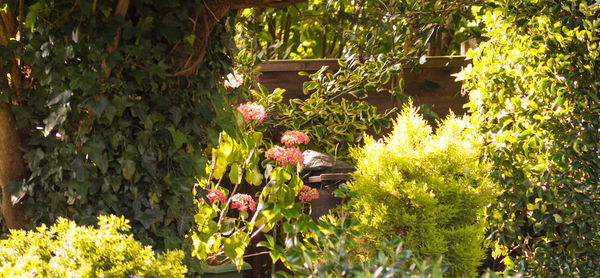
109	126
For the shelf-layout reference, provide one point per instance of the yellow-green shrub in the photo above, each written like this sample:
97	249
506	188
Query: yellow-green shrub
429	189
68	250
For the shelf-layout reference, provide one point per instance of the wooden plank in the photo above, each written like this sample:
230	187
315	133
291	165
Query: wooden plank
308	65
329	177
314	179
313	65
335	177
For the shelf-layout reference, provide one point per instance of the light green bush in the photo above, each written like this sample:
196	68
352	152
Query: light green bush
68	250
429	189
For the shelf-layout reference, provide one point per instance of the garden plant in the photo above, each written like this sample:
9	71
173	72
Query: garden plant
68	250
534	96
429	189
143	110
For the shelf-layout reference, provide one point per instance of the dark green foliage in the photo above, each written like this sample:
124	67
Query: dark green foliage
130	144
534	95
428	189
68	250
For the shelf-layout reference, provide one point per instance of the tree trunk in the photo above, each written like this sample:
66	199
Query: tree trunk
12	166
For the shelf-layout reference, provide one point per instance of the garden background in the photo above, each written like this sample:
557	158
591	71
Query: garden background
152	111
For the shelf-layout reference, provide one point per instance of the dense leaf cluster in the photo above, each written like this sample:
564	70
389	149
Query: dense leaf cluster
428	189
110	128
68	250
534	95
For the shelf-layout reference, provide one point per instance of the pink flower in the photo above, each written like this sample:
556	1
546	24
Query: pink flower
307	194
243	202
285	155
294	137
234	80
252	111
214	194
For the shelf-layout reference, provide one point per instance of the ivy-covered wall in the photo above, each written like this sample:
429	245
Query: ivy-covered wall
111	118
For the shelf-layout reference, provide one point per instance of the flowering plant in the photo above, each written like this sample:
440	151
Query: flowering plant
234	203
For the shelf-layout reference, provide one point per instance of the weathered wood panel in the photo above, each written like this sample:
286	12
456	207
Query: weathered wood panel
434	84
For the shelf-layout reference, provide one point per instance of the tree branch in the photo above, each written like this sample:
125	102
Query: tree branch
121	10
214	11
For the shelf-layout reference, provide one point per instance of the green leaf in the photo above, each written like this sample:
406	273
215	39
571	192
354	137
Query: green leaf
235	173
309	86
385	77
234	248
558	218
370	86
60	98
359	93
99	105
13	187
127	168
178	137
95	152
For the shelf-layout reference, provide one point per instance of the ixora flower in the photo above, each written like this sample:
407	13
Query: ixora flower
285	155
252	111
215	195
307	194
243	202
234	80
294	137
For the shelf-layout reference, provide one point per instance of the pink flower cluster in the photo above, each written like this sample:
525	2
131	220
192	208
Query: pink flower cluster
252	111
234	80
307	194
214	194
294	137
243	202
285	155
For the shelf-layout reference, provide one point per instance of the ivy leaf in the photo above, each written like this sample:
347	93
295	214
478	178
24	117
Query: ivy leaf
226	122
178	137
62	97
95	153
99	106
13	187
31	17
127	168
57	117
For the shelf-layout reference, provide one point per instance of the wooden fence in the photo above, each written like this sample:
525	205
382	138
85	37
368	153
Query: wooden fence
434	84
